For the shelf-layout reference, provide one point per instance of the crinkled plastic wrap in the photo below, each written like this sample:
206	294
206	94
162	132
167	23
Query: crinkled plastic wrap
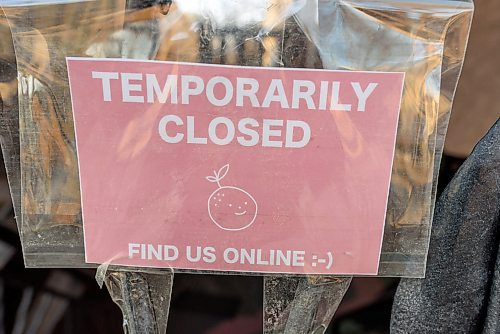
424	39
9	115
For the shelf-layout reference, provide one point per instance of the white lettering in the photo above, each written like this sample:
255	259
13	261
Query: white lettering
290	130
212	131
363	95
196	257
132	250
209	254
227	86
162	128
106	78
191	138
275	93
153	88
231	255
128	87
323	95
298	258
267	133
306	95
254	135
335	104
187	90
251	92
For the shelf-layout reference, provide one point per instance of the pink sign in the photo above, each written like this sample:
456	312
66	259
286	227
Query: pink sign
210	167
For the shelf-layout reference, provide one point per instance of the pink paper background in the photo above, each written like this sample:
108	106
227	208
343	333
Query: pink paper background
329	196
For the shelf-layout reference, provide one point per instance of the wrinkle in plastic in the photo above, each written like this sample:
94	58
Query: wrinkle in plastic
9	113
426	40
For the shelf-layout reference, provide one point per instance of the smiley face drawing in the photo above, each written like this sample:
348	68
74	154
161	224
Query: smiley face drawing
230	208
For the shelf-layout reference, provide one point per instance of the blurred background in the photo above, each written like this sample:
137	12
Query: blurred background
44	301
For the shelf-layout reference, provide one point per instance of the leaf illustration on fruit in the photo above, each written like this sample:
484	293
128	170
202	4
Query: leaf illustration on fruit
230	208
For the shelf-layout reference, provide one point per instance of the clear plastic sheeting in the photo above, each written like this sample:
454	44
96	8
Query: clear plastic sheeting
9	113
424	39
413	37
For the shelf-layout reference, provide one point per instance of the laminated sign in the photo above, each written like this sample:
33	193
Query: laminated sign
227	168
